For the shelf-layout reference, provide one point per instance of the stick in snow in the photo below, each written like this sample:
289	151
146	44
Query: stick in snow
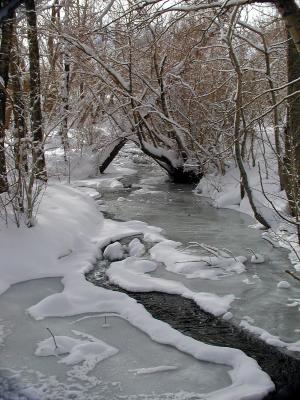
48	329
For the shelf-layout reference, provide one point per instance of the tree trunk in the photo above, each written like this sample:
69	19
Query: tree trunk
182	176
20	127
292	134
115	148
290	13
245	186
5	48
38	156
65	86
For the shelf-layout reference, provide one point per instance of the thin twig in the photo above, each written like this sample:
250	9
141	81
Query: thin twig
48	329
248	248
292	274
192	261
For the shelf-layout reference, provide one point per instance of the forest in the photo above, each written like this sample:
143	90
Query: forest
150	196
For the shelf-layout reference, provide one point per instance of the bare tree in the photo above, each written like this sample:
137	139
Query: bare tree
35	95
5	49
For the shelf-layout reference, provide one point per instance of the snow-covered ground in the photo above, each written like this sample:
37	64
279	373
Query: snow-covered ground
64	244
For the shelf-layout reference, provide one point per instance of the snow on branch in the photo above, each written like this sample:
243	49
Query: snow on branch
205	6
163	154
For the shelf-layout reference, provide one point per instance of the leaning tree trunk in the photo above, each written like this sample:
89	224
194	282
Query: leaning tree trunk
38	156
237	129
110	153
292	134
5	48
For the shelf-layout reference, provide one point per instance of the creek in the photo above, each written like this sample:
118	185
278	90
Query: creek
187	217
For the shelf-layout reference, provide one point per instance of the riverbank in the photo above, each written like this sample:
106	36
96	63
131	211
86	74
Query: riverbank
225	193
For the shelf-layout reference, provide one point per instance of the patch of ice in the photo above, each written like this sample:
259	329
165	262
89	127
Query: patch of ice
154	180
146	190
195	266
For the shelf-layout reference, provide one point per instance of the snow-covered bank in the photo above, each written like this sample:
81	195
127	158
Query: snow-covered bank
65	243
268	338
224	190
66	230
225	193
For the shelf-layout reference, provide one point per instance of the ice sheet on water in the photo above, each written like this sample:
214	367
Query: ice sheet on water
196	266
110	378
154	180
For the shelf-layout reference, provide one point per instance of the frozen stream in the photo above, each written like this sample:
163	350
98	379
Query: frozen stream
135	367
186	217
126	375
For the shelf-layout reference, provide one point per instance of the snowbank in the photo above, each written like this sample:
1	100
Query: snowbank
66	230
224	190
